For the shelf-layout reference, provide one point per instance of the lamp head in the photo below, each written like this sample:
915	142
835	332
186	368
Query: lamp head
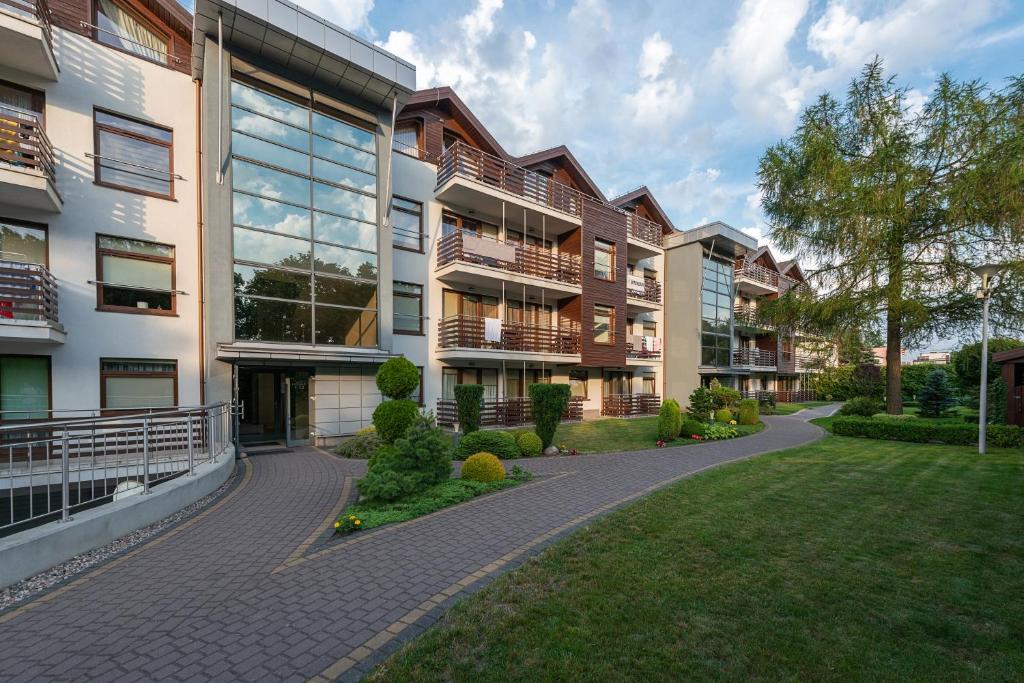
987	271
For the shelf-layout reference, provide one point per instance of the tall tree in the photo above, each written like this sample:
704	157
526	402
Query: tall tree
896	204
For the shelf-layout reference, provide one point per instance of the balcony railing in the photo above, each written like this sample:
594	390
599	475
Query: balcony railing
753	358
524	259
505	412
470	332
36	10
747	316
469	162
27	292
756	273
643	229
630	405
23	142
796	362
651	291
782	396
643	347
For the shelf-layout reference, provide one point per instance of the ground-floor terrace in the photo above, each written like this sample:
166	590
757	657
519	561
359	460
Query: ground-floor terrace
782	388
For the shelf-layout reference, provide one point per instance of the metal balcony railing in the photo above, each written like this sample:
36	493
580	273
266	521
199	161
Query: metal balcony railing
470	332
505	412
23	142
513	257
753	358
630	405
52	468
756	273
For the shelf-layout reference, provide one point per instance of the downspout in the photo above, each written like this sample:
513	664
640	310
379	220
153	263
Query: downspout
199	242
394	115
220	98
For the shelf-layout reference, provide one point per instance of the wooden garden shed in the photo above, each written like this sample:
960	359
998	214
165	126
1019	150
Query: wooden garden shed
1013	374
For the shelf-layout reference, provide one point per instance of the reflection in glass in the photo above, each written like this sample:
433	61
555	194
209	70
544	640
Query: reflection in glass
269	129
275	250
279	284
331	290
344	231
270	183
344	202
343	132
270	215
269	105
22	244
278	321
343	175
343	154
267	152
346	326
348	262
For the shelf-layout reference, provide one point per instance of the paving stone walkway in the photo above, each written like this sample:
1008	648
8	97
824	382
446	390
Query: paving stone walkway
254	589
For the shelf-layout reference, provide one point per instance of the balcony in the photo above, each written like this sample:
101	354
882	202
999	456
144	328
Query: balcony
474	179
754	359
794	363
643	292
28	304
747	317
27	175
752	277
26	38
644	236
643	348
782	396
504	412
463	332
466	258
630	405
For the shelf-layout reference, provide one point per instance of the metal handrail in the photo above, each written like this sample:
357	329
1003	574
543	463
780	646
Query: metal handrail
85	24
176	176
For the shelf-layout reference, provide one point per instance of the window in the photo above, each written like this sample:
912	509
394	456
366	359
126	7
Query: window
132	383
134	276
23	242
604	324
716	314
649	385
488	377
133	155
408	301
122	29
407	224
578	383
304	179
604	260
407	139
515	387
24	387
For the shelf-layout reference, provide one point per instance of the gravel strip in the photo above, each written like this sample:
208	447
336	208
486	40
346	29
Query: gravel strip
27	588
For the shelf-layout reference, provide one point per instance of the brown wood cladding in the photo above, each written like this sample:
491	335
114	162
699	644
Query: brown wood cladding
70	14
600	221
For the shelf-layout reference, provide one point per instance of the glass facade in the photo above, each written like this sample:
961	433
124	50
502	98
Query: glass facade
716	314
305	221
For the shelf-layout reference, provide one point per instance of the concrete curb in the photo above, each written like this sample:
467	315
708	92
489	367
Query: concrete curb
35	550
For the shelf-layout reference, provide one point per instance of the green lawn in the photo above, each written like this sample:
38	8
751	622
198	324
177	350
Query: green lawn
790	408
612	434
843	560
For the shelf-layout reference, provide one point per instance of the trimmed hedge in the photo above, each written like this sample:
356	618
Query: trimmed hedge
923	431
362	445
723	415
467	406
749	412
529	444
691	428
547	402
669	420
861	406
393	418
397	378
483	467
501	444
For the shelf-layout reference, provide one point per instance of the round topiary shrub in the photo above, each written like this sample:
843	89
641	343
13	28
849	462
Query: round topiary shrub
501	444
723	415
483	467
393	418
692	428
397	378
529	444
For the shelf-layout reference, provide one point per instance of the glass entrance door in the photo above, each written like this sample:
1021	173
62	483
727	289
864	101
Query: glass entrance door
296	387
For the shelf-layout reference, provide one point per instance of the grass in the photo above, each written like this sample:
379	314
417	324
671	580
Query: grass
613	434
790	408
840	560
954	416
452	492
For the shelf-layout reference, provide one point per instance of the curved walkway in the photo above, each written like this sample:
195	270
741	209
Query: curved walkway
252	588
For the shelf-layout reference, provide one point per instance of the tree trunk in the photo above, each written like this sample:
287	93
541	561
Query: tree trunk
893	364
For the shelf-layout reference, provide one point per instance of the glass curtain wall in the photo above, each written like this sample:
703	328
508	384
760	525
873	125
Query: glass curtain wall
716	314
305	220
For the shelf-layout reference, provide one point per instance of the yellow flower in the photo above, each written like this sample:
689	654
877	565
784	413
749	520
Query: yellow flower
337	525
351	516
357	522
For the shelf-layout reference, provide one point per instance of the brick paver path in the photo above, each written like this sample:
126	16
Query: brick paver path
252	590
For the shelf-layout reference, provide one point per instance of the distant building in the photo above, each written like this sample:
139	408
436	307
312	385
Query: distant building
936	357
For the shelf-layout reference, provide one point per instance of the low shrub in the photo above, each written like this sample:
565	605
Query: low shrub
692	428
936	396
717	431
724	397
702	402
749	413
669	420
547	403
467	406
529	444
501	444
362	445
417	460
393	418
483	467
925	431
723	415
679	422
767	405
861	406
397	378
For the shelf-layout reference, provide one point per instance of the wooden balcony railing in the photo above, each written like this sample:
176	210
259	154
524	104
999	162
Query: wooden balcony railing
27	292
469	332
756	273
524	259
651	292
643	347
747	317
36	10
630	405
469	162
796	362
643	229
505	412
753	358
782	396
23	142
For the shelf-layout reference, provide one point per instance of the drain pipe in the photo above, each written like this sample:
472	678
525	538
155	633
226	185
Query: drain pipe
220	98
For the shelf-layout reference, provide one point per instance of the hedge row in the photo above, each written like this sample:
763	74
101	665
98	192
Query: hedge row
921	431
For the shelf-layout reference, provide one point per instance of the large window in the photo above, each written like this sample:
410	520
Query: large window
604	260
132	383
124	30
604	324
407	224
578	383
23	242
133	155
134	276
305	217
716	314
408	302
24	387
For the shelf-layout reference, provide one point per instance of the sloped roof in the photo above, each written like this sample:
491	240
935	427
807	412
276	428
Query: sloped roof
434	97
640	193
761	251
573	166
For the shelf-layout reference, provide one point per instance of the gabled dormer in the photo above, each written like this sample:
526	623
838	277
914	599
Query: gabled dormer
435	119
559	164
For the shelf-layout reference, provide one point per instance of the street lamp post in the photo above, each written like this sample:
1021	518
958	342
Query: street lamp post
987	272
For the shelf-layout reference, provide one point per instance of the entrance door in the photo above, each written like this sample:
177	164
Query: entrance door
275	406
296	388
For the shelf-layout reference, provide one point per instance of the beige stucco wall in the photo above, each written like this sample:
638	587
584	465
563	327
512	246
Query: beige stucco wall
683	267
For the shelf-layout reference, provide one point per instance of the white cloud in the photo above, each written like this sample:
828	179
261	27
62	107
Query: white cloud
654	56
664	96
352	15
1013	33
